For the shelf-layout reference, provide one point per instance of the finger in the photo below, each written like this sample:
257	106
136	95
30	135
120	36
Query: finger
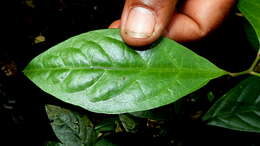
115	24
197	18
143	21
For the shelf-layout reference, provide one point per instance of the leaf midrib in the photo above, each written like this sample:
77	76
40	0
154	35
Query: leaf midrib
125	69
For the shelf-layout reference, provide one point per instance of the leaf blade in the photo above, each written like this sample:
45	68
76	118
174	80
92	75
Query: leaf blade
100	73
71	128
250	9
239	108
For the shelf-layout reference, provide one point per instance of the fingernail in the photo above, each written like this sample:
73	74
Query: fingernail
140	23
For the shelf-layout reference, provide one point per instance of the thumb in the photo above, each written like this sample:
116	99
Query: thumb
143	21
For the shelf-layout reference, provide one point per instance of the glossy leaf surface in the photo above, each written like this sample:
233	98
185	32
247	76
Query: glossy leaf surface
239	109
99	72
251	35
71	128
251	10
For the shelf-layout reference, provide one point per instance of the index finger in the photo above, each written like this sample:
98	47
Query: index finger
197	18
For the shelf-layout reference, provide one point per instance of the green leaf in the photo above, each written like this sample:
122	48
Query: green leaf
99	72
54	143
155	114
239	109
251	10
106	125
149	114
128	123
210	96
104	142
71	128
251	35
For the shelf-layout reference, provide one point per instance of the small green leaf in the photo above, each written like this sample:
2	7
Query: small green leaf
104	142
99	72
128	123
239	109
154	114
210	96
251	10
146	114
106	125
53	143
71	128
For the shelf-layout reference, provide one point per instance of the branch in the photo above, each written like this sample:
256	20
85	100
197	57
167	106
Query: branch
251	69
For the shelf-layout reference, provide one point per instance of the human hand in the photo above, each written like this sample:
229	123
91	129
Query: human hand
144	21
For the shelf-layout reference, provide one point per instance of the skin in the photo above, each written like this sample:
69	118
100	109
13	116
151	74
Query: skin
192	21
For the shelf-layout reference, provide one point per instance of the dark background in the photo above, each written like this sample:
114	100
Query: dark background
23	118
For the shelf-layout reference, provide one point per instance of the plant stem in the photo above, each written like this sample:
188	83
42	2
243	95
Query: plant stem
239	73
251	69
255	61
255	73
